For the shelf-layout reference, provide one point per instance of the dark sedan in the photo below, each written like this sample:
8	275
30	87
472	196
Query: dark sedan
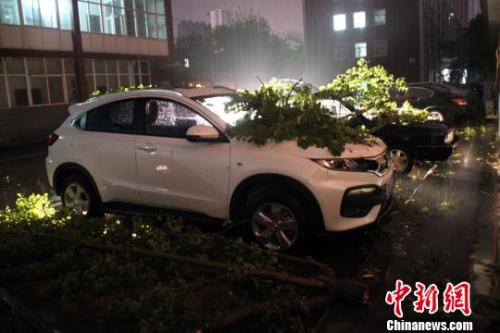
443	103
430	141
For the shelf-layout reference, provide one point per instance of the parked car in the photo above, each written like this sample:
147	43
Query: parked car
430	141
443	103
168	150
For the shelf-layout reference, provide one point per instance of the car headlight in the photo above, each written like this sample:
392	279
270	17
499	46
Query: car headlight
346	164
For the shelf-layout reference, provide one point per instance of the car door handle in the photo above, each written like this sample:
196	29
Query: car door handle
147	148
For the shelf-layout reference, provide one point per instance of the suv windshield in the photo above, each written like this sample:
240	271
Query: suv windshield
220	106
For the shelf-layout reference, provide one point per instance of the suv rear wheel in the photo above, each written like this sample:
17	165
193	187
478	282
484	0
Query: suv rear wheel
78	196
277	218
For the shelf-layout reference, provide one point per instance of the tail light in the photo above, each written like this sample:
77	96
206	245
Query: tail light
52	139
460	101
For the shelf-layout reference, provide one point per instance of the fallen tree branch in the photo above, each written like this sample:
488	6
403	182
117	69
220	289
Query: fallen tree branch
258	309
352	291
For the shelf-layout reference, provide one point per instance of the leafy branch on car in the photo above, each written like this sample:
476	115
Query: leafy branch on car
283	111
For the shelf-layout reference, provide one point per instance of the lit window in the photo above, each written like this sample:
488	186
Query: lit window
94	18
65	14
31	12
83	11
360	50
380	49
339	22
9	12
48	10
359	19
379	17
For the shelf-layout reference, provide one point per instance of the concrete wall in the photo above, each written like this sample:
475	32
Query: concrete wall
25	126
36	38
102	43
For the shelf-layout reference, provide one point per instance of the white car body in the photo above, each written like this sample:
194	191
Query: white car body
202	177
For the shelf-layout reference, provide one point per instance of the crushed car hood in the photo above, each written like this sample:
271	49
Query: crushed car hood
351	150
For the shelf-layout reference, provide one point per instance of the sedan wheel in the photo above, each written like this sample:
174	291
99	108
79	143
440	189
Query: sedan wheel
400	160
275	226
436	116
77	199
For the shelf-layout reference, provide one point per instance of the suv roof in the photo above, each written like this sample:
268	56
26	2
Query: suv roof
107	98
204	92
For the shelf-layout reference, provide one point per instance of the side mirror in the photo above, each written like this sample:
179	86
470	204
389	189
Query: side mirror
202	133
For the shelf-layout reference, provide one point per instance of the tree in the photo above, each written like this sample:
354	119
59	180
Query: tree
278	112
368	89
241	51
480	53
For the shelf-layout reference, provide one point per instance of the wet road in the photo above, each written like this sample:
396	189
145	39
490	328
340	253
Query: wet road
447	231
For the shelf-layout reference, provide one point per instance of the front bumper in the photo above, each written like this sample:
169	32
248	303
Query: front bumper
331	188
433	153
436	152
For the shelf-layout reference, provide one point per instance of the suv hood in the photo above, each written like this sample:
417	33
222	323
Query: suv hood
351	150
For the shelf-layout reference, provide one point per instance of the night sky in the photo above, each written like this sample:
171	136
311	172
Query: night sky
284	16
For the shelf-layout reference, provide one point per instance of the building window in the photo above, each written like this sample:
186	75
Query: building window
36	81
65	9
359	19
360	50
41	13
380	49
31	12
109	75
379	17
9	12
138	18
339	22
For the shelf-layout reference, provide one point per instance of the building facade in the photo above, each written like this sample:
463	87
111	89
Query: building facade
56	52
227	16
406	37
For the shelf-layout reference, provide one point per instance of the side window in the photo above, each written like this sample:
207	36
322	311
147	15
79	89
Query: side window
415	93
170	119
116	117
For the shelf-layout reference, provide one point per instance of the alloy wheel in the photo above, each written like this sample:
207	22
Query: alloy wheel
77	199
435	116
275	226
399	159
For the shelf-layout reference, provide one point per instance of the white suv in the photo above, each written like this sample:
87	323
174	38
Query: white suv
168	150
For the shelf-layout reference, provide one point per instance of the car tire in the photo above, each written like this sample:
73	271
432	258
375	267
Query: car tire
402	159
277	218
79	197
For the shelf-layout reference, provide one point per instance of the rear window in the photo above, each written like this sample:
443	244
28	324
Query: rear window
115	117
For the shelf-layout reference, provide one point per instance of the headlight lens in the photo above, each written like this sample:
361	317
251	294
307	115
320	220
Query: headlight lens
345	164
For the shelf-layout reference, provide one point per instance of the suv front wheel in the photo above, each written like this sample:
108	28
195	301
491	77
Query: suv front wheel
277	218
